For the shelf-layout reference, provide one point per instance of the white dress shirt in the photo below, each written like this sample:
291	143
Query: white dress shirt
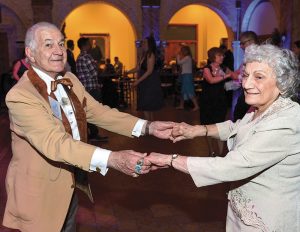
100	156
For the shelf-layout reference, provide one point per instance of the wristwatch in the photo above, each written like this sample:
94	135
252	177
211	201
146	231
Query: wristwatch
174	156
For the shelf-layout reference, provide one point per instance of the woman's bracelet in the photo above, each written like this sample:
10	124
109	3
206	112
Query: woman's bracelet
206	130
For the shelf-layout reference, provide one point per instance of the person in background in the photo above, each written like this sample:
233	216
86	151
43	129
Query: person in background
185	60
239	107
149	92
118	65
19	68
48	111
263	162
213	102
87	73
228	60
70	57
109	68
296	49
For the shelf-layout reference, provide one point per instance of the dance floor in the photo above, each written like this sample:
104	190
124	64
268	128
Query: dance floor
162	201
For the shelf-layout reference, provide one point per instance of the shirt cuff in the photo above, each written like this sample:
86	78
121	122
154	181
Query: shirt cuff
99	160
137	130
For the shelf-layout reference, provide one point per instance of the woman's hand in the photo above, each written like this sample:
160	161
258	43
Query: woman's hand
158	160
183	131
135	84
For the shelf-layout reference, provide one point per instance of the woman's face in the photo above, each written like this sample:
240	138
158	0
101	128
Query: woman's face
259	84
219	58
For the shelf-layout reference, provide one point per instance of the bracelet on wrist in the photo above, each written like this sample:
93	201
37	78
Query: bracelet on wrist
173	157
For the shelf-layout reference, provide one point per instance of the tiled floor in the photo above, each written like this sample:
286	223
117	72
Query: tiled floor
162	201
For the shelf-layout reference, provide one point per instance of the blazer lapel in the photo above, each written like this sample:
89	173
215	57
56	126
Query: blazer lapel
41	87
80	176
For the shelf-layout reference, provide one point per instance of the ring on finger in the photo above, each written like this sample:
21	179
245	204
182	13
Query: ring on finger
140	162
135	175
138	169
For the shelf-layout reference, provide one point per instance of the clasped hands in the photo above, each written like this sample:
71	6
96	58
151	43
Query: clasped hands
135	163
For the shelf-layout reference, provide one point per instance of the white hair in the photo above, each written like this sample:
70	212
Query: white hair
284	63
30	38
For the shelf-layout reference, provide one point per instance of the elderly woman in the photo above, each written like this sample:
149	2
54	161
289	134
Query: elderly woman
264	147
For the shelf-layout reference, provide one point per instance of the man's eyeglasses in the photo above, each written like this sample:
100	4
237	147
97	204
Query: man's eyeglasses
242	43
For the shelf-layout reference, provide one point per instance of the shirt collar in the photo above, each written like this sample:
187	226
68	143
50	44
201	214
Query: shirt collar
46	78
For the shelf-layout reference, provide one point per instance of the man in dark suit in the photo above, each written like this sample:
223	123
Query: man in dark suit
70	56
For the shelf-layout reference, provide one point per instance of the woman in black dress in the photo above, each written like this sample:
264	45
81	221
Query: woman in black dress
149	92
213	103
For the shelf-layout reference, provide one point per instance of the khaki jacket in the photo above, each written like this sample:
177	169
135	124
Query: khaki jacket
39	179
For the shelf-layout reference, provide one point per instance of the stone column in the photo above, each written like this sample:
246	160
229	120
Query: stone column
42	10
237	51
285	24
150	18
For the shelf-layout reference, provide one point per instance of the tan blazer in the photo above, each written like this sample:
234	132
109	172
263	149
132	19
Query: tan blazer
39	182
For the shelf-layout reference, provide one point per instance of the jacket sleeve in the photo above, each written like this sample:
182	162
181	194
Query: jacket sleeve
32	120
268	145
103	116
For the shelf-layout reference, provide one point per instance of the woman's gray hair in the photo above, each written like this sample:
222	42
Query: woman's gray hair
30	38
283	62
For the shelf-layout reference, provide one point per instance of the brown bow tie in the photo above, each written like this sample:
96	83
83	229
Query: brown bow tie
63	81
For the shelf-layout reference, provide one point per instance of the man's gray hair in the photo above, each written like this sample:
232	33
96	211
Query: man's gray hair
30	38
283	62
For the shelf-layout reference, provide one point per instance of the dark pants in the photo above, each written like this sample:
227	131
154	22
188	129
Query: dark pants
70	221
93	130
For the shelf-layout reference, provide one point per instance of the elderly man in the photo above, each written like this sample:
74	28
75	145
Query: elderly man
48	112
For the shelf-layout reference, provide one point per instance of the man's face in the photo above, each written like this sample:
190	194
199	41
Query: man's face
245	42
49	54
296	50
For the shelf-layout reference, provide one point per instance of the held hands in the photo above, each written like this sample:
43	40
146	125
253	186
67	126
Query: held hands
130	162
158	160
175	131
135	163
161	129
183	131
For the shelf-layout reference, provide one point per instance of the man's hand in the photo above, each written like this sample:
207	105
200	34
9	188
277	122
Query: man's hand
127	162
162	130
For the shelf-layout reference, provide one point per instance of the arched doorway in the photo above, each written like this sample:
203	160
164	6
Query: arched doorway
198	26
260	17
12	32
105	23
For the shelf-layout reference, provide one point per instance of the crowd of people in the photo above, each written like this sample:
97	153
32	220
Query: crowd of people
54	114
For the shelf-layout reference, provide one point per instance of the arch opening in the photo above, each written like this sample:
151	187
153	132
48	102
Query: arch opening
209	30
118	36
